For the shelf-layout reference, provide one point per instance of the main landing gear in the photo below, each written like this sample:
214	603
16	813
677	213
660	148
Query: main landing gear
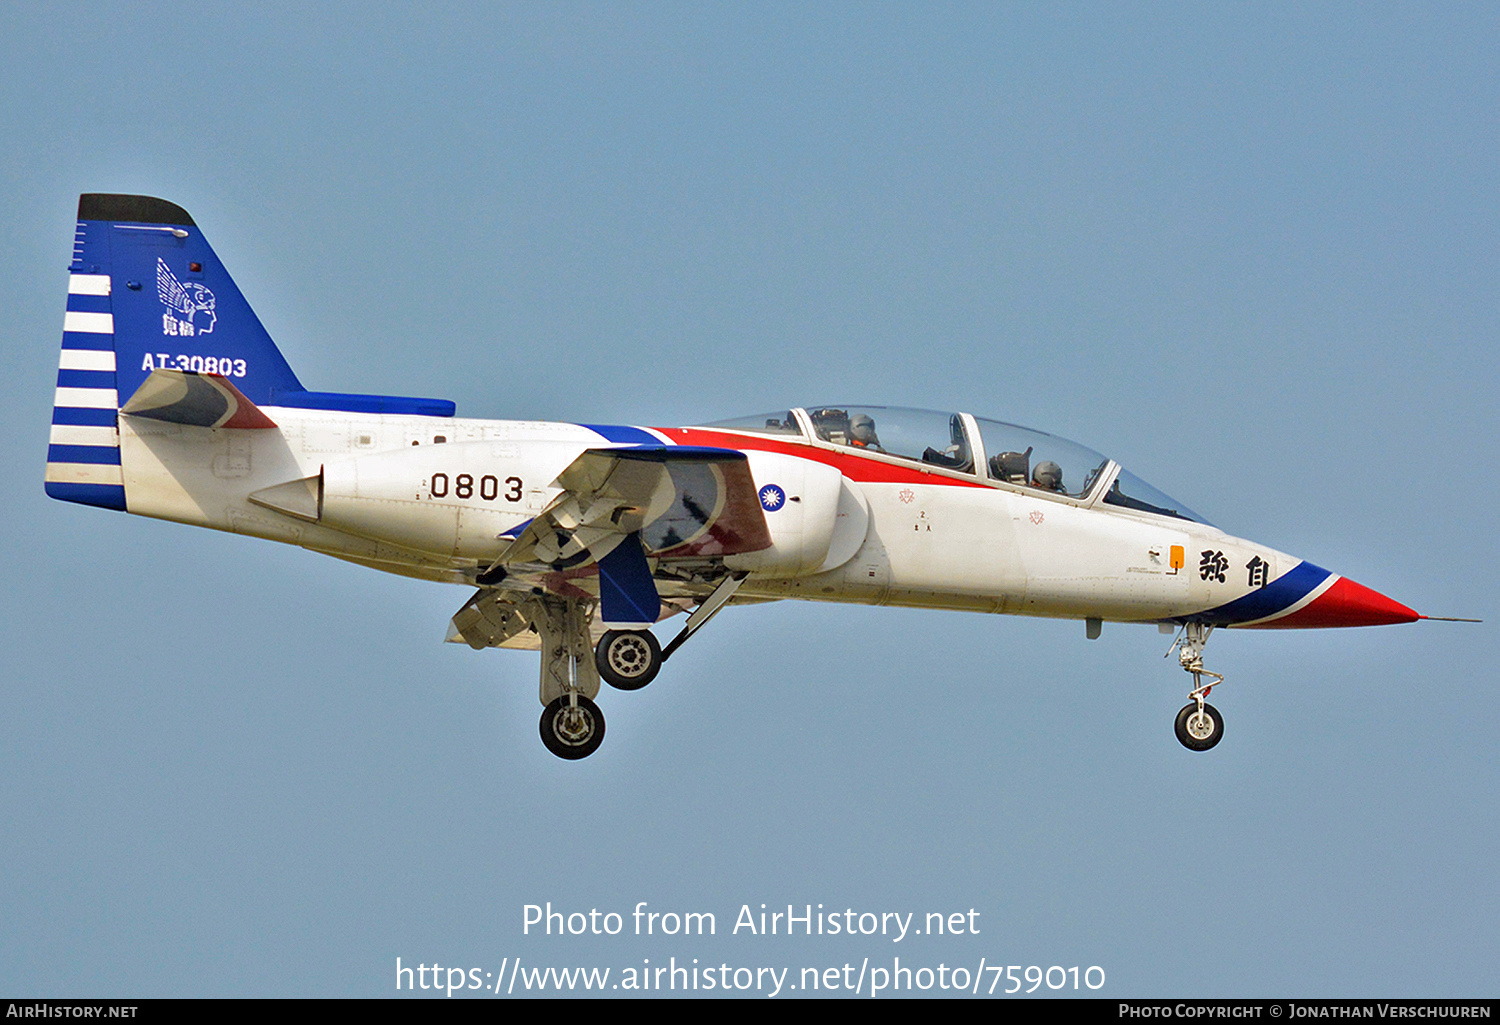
572	726
628	659
1199	725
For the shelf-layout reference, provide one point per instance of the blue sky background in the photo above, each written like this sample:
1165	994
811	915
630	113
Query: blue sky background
1249	251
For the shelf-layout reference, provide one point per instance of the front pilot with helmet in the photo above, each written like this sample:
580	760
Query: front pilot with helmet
1047	476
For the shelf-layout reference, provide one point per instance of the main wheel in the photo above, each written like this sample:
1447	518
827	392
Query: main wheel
570	731
628	659
1199	731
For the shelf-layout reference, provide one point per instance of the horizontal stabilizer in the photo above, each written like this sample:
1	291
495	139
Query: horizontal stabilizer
195	400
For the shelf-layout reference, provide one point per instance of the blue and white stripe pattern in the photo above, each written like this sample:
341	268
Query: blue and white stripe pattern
83	454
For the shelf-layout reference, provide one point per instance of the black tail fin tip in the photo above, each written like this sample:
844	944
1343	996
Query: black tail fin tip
105	206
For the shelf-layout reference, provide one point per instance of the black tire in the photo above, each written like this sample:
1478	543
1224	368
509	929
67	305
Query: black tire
572	733
628	659
1196	734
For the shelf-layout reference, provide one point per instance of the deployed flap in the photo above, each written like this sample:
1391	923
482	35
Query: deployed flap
195	400
494	619
681	500
487	621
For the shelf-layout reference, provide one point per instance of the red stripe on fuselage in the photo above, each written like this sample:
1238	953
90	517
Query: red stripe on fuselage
851	464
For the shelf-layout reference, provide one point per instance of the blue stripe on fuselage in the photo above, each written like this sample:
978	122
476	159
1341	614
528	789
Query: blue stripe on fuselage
1277	596
624	435
515	532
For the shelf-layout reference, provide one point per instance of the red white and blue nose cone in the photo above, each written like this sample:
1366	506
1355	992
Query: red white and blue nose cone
1310	596
1346	603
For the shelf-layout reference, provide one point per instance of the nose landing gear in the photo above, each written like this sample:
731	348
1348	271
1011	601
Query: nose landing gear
1199	725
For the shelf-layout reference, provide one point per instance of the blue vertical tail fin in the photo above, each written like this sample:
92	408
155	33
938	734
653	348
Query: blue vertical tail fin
145	291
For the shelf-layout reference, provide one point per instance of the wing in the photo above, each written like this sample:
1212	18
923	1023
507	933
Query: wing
620	506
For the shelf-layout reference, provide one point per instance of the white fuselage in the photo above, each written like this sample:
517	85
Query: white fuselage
431	498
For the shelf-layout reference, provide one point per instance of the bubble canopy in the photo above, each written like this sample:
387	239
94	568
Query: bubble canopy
992	450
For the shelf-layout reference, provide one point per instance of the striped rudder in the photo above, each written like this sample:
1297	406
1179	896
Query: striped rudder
83	453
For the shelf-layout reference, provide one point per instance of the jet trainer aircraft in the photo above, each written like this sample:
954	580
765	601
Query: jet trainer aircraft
578	538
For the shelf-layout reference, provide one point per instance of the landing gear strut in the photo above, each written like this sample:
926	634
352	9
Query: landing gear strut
630	659
572	726
1199	725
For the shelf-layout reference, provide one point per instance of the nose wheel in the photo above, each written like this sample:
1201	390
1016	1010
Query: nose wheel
1199	725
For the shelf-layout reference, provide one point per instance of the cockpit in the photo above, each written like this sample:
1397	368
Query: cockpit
1000	454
